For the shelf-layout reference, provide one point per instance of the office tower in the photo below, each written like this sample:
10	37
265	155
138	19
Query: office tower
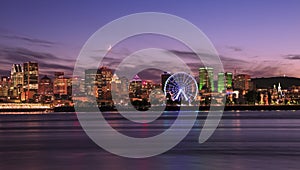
104	83
221	82
46	86
164	78
16	75
76	84
228	80
135	87
91	82
31	80
206	79
147	87
242	82
116	89
98	83
5	84
17	79
60	84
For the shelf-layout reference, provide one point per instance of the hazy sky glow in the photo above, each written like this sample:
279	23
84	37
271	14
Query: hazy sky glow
261	38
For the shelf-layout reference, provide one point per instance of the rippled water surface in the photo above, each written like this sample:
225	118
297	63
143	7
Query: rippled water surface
243	140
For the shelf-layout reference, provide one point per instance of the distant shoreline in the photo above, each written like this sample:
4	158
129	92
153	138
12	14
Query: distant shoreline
205	108
201	108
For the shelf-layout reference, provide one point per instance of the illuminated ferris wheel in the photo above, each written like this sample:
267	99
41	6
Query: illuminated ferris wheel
181	86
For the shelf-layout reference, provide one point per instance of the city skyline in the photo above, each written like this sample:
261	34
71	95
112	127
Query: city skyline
260	41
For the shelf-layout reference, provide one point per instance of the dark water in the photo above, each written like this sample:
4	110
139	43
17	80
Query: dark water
243	140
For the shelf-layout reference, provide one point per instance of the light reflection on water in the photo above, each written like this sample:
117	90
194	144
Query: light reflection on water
243	140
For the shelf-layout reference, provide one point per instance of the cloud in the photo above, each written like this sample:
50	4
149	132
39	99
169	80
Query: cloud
262	70
292	56
193	61
30	40
235	49
48	63
8	35
255	68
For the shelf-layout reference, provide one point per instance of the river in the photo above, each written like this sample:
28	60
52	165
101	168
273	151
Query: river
243	140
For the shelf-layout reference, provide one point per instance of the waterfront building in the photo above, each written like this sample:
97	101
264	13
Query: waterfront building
30	81
60	84
76	84
91	82
228	80
5	84
104	84
17	79
221	82
242	82
46	86
206	79
147	87
135	87
98	84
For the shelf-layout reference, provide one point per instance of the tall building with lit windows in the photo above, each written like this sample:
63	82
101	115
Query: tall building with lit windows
60	84
17	78
98	83
91	82
221	82
242	82
31	80
228	80
104	83
5	83
16	75
135	87
46	86
206	79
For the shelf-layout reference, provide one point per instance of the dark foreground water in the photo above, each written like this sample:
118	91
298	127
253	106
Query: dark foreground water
243	140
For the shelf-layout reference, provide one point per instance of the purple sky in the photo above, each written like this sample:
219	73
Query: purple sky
261	38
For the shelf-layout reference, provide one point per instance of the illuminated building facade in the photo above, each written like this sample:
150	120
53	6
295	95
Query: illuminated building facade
91	82
104	83
206	79
98	83
242	82
228	80
60	84
5	83
135	87
31	80
221	82
46	86
17	80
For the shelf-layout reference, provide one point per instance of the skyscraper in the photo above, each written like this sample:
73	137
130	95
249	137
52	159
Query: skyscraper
135	87
5	83
221	82
104	83
46	86
31	79
17	78
242	82
16	75
228	80
206	79
60	84
98	83
91	82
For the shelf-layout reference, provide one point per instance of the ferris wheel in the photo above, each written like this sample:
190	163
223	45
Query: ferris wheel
181	86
